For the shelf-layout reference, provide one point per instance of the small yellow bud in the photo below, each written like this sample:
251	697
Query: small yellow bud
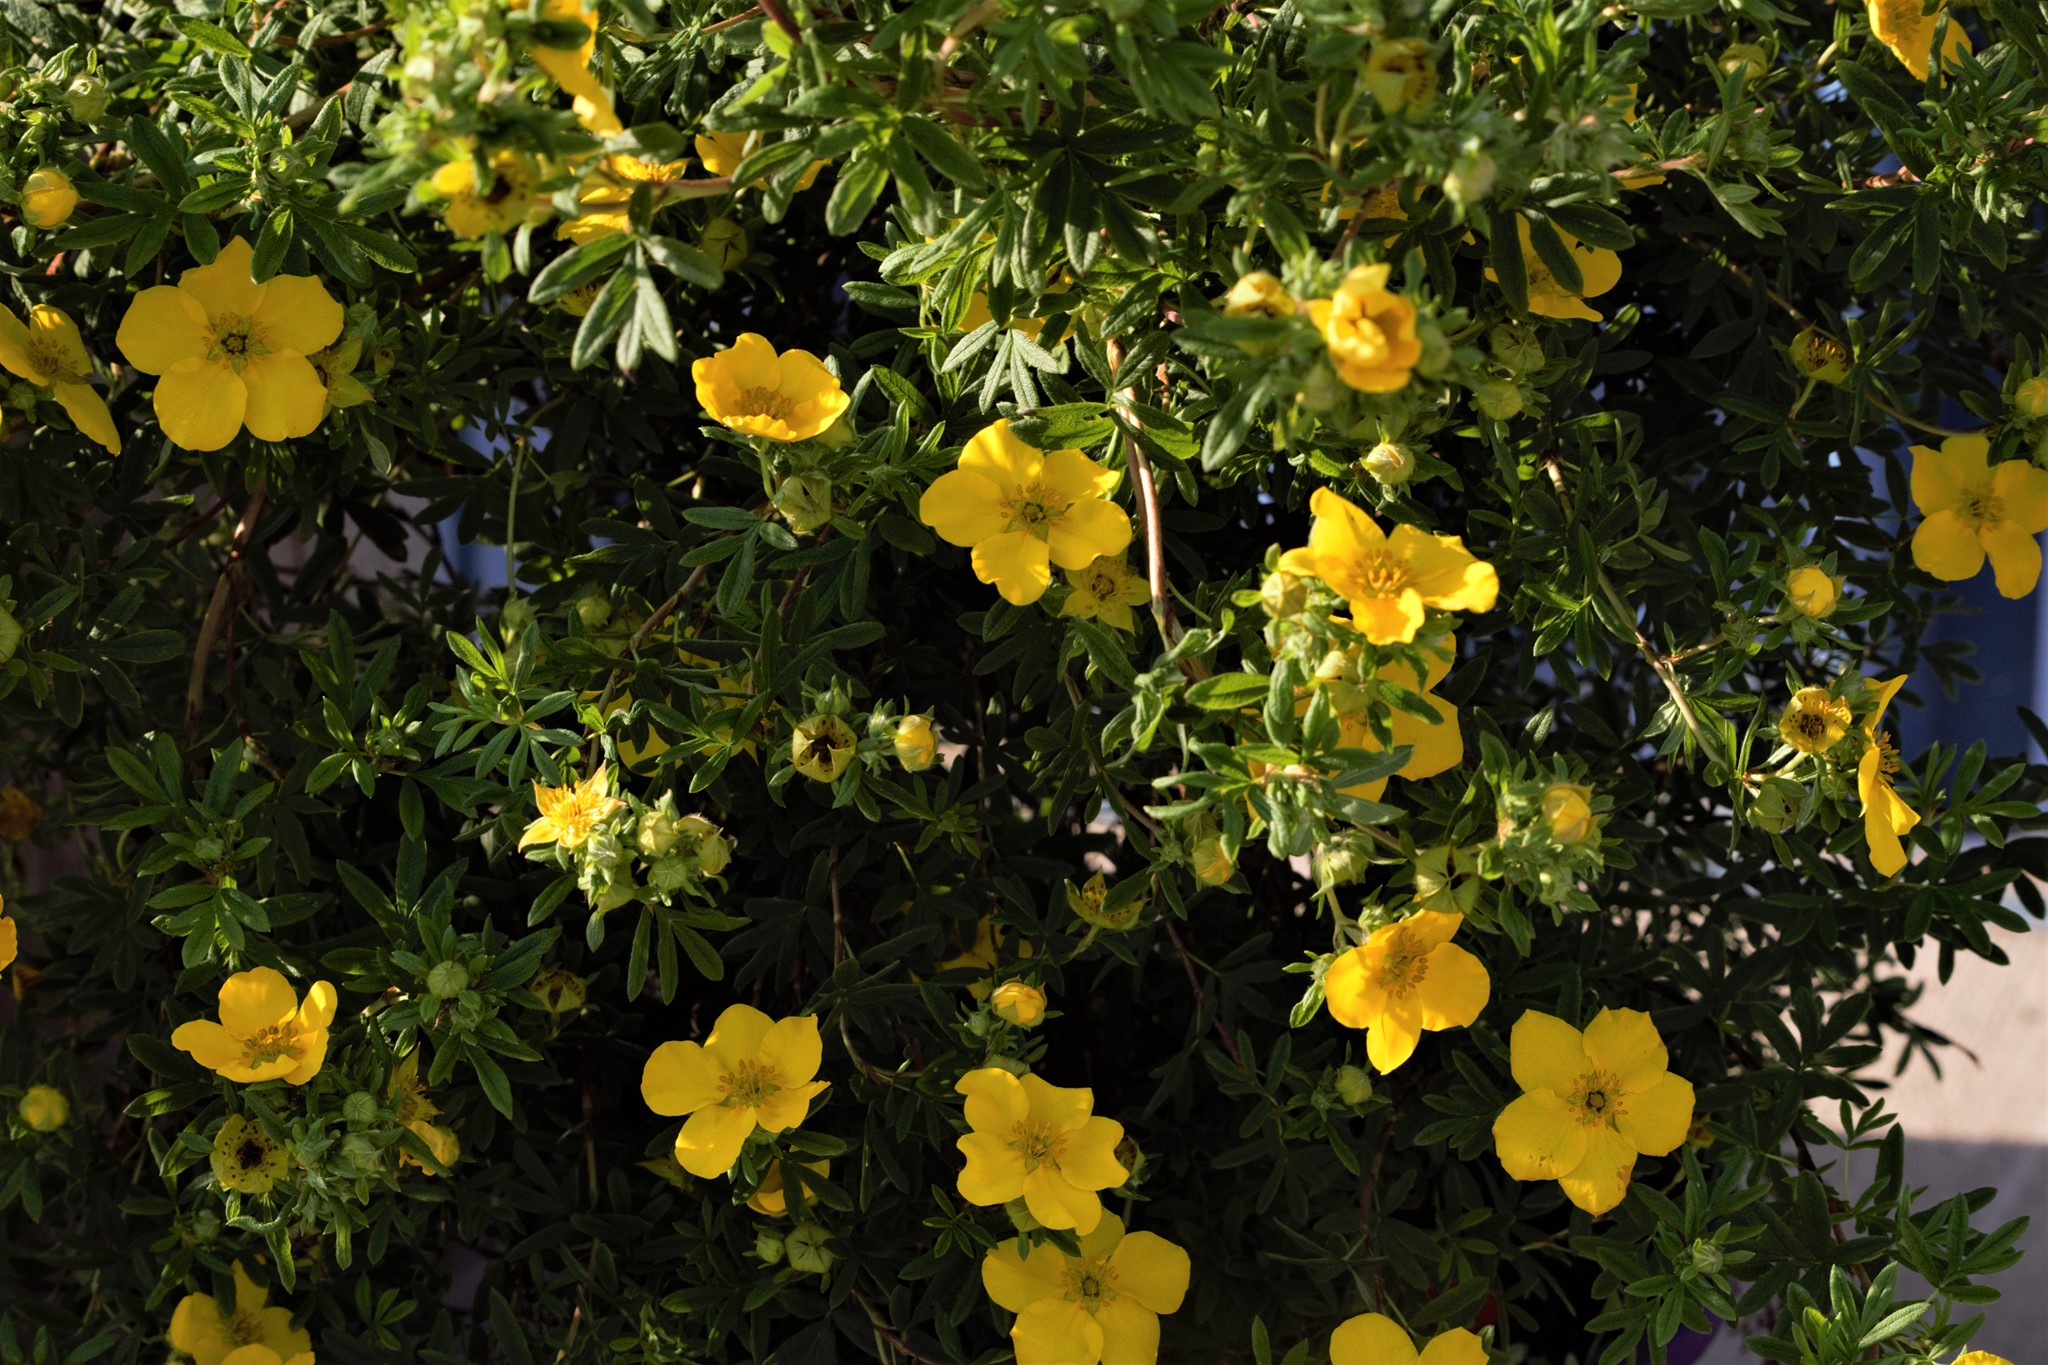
1568	811
44	1108
917	744
822	746
1258	295
1283	595
47	198
2031	397
1812	591
1820	357
1401	73
1748	57
1213	866
1390	464
1470	179
1018	1003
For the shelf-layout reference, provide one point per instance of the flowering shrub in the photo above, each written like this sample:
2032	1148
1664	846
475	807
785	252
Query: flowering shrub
1097	681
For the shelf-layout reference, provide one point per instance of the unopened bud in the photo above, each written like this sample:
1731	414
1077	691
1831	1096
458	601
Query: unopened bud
1353	1085
10	635
1470	180
447	978
805	502
86	97
1748	57
1516	346
2031	397
1212	863
1258	295
916	743
44	1108
724	241
1812	591
1778	805
1018	1002
1390	464
1497	398
47	198
805	1247
1283	595
1568	811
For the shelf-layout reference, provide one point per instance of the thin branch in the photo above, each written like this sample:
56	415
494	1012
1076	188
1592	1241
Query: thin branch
1148	511
890	1334
1912	421
1201	996
774	10
217	608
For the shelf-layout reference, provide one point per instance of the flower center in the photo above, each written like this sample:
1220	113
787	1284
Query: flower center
749	1085
1811	724
1597	1099
251	1154
1033	509
271	1044
1383	574
1887	753
1404	968
245	1328
1983	506
767	402
1037	1144
236	341
48	359
1091	1284
1102	586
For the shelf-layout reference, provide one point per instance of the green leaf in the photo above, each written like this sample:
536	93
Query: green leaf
858	187
210	36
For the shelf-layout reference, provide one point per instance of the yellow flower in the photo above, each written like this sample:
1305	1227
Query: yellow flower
2031	398
722	154
559	991
752	1072
1258	295
511	198
1018	1002
1904	27
1592	1103
10	943
1101	1306
44	1108
1976	512
977	314
570	66
50	354
47	198
1568	811
1820	357
21	815
1980	1358
1401	73
1369	331
603	201
1021	510
984	953
1212	862
1406	979
1815	721
822	746
1371	1339
1040	1143
210	1336
917	745
1813	591
1885	816
1599	271
232	352
771	1196
749	388
414	1111
265	1033
1106	591
1389	579
570	815
336	367
245	1159
1433	748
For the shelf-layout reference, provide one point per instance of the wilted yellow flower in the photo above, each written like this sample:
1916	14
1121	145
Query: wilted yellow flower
750	388
1820	357
822	746
50	354
1432	747
510	198
1370	332
559	991
47	198
1885	816
407	1095
570	815
1592	1103
1022	510
203	1331
265	1033
1258	295
1040	1143
604	200
1405	980
570	66
1389	580
1106	591
917	745
44	1108
1813	591
1568	811
336	367
771	1196
1815	721
1018	1002
1907	29
230	352
752	1072
1599	271
1401	73
1975	512
1101	1306
722	154
1373	1339
1212	862
245	1159
21	815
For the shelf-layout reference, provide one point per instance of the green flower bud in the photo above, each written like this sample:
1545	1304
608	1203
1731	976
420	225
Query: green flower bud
1516	346
359	1108
724	241
658	830
1353	1085
1390	464
768	1245
593	609
805	502
44	1108
10	635
1748	57
806	1249
1497	398
1471	179
447	978
1283	595
86	97
1707	1258
1778	805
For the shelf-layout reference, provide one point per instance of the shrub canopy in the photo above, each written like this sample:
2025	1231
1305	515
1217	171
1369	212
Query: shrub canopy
1183	681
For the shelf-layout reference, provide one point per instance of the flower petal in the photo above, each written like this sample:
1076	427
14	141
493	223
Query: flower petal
226	285
680	1078
793	1049
255	1000
1086	531
737	1035
1455	1347
210	1045
2015	557
1000	457
1626	1043
963	507
1089	1161
994	1173
1546	1053
1394	1035
1370	1339
1388	620
1130	1334
1055	1332
163	327
1151	1270
298	314
1538	1138
1018	563
1947	546
1062	1108
2023	489
1455	990
1071	476
1600	1180
201	407
286	398
311	1056
1016	1282
1656	1120
996	1102
199	1329
711	1139
1433	749
14	341
1058	1203
88	412
788	1108
1444	571
59	335
1352	991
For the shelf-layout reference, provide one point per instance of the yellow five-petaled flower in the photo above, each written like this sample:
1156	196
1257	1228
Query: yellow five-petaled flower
1592	1103
230	352
751	389
265	1032
1406	978
1907	29
1369	331
1374	1339
50	354
1599	271
1885	815
1040	1143
1389	580
252	1333
1101	1306
752	1072
1021	510
570	815
1975	512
